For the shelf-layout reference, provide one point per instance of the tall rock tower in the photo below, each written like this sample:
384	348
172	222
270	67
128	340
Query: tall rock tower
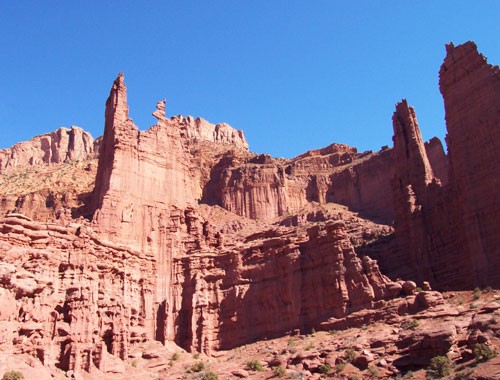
471	92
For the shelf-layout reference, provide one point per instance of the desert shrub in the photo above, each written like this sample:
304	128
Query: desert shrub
325	368
209	375
440	366
483	352
255	365
340	367
13	375
198	367
353	376
196	355
373	371
175	356
477	294
473	305
463	375
411	324
350	355
278	371
488	289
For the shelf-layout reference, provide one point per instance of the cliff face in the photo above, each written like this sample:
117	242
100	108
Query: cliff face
471	92
63	145
447	227
265	188
50	175
192	239
208	294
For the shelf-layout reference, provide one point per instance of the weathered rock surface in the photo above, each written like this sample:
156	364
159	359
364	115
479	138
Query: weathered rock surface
63	145
447	225
179	238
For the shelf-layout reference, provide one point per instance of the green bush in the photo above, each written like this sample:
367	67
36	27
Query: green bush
325	368
350	355
13	375
411	324
198	367
278	371
488	289
477	294
483	353
255	365
440	366
209	375
340	367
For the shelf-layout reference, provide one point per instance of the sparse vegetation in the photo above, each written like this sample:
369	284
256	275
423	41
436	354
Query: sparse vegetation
483	352
134	363
13	375
196	355
350	355
255	365
279	371
209	375
473	305
488	289
410	324
439	367
462	375
325	368
339	367
175	356
373	372
198	367
477	294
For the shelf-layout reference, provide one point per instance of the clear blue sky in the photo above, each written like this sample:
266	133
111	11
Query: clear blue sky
294	75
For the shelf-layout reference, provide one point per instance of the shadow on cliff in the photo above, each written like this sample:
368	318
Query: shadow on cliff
84	209
213	189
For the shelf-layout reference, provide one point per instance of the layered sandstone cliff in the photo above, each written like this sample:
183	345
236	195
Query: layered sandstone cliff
191	239
447	226
63	145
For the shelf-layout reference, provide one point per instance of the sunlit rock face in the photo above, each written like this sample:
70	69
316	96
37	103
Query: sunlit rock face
180	235
447	214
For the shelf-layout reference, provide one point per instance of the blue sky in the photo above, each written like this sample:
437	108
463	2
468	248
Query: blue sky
294	75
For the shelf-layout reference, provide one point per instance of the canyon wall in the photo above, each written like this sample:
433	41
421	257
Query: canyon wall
192	239
447	228
147	188
63	145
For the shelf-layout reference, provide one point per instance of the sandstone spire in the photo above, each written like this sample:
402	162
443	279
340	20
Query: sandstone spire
118	129
471	92
409	150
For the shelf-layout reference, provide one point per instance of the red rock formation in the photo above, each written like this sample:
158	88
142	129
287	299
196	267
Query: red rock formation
447	230
146	190
438	159
471	92
264	188
155	265
51	148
